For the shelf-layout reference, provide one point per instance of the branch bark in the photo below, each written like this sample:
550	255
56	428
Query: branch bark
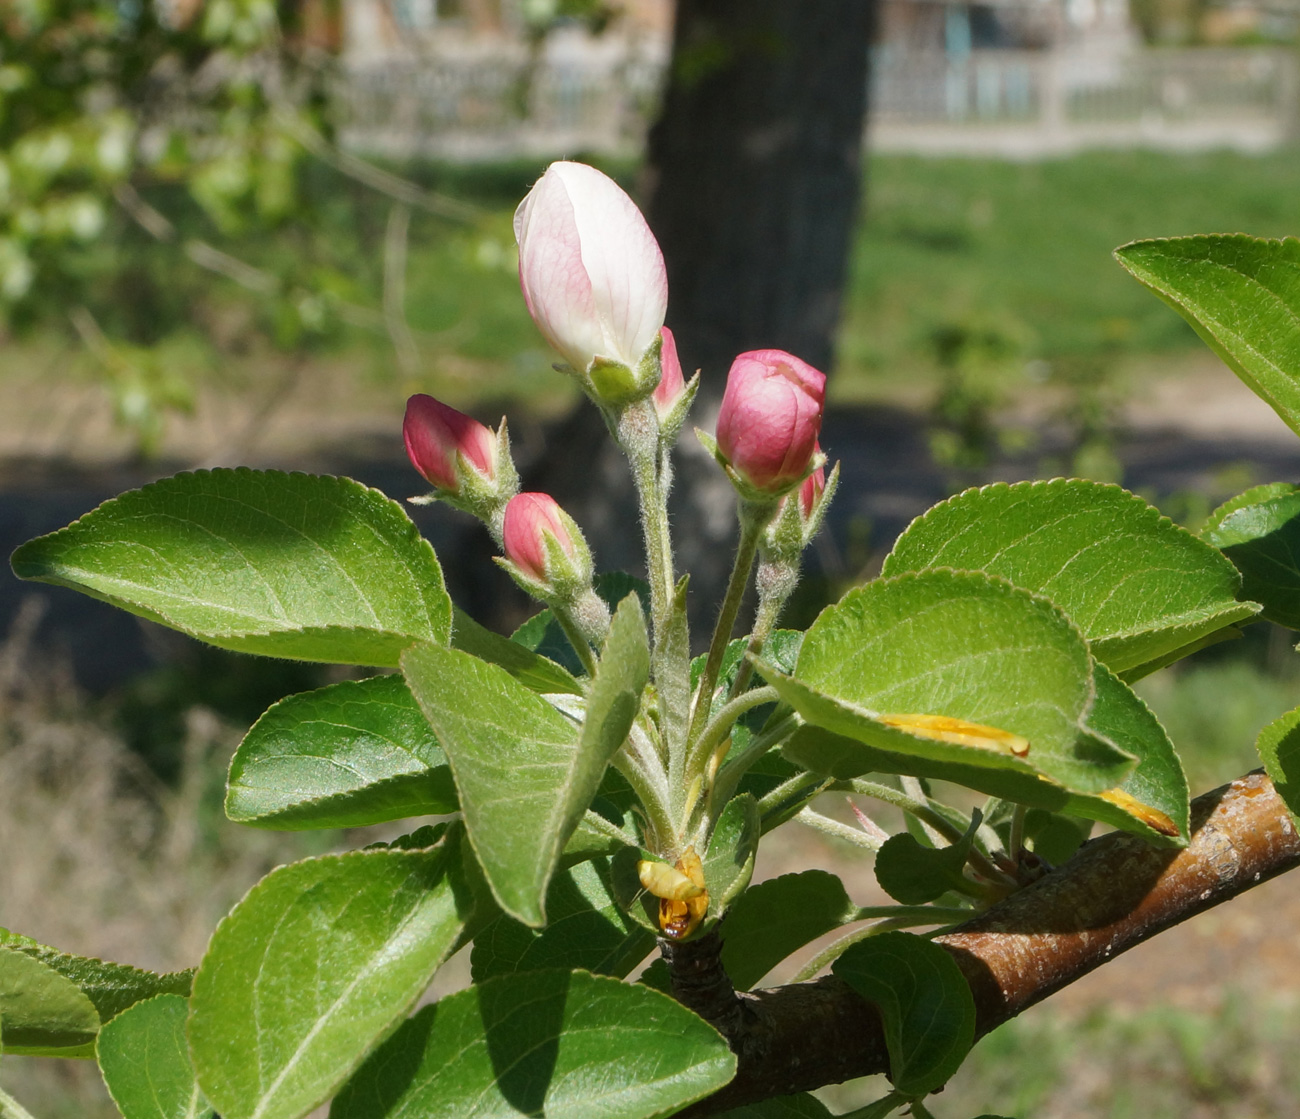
1114	894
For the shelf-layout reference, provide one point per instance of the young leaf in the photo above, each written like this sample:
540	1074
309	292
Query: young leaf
525	773
343	756
542	1043
531	669
586	928
318	963
961	645
110	987
1242	295
44	1014
771	920
285	565
729	862
924	1001
914	874
146	1065
1279	746
1137	585
1259	531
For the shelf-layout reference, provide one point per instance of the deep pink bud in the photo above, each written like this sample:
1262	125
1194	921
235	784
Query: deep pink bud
813	487
529	518
770	418
671	384
591	271
435	433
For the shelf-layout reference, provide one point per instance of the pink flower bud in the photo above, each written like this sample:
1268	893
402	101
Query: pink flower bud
591	270
813	487
671	384
529	519
770	418
436	434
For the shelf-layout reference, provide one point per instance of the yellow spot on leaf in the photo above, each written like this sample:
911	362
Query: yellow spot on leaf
683	900
1152	817
944	728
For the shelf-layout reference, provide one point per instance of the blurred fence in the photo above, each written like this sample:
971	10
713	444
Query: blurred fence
1019	104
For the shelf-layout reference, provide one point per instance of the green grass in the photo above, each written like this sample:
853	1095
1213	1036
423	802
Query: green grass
1021	252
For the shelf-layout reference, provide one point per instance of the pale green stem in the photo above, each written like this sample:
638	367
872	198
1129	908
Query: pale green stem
10	1108
776	582
905	917
571	630
927	815
1016	838
639	437
920	1111
596	822
772	734
825	824
721	724
779	797
751	528
652	794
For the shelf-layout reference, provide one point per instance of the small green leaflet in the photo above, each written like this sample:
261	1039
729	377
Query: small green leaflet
1259	531
924	1001
526	773
1138	586
344	756
729	861
1279	746
317	964
554	1043
258	561
145	1061
914	874
110	987
958	645
1242	295
775	918
44	1014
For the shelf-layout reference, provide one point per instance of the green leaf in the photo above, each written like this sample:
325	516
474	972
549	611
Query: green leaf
44	1014
145	1061
344	756
781	651
959	645
317	964
1137	585
1279	746
802	1106
914	874
285	565
531	669
729	861
924	1001
773	919
1153	800
525	773
1259	531
110	987
1242	294
542	1043
586	928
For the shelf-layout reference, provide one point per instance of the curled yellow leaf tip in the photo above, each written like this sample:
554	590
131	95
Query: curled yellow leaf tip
1152	817
683	900
962	732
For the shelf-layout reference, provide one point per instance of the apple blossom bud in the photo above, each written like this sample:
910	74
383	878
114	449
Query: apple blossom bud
671	384
769	421
530	518
441	442
593	278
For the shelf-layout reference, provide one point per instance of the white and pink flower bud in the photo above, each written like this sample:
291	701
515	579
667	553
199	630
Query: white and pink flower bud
593	277
770	419
442	443
530	519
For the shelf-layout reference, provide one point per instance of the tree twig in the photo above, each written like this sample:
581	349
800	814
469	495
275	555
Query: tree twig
1114	894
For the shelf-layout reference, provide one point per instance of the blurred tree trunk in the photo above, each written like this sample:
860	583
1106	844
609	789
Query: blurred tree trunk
752	186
